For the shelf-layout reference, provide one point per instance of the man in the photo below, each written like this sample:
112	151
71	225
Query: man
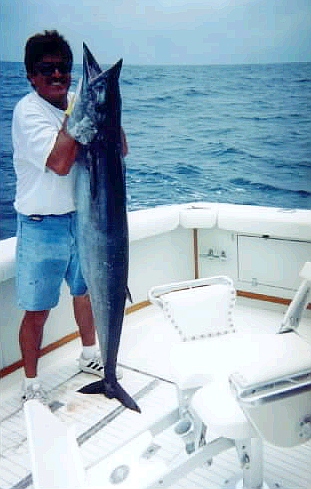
44	157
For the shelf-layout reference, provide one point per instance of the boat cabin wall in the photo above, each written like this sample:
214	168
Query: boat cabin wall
164	258
257	264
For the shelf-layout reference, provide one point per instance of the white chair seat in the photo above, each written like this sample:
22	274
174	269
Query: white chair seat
217	408
265	361
196	363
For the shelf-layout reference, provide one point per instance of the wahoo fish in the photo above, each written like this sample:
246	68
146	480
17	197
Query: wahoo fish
103	243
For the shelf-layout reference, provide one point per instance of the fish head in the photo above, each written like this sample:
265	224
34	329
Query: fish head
97	109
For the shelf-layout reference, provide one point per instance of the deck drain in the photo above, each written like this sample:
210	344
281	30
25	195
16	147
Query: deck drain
119	474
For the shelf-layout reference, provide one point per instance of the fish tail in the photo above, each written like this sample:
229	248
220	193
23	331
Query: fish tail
111	390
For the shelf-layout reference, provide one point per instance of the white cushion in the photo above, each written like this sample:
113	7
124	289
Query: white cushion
201	311
146	223
196	363
284	355
292	223
199	215
258	356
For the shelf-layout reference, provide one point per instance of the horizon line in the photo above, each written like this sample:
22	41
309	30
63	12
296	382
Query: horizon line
242	63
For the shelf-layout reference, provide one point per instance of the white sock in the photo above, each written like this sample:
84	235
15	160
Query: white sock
30	381
89	352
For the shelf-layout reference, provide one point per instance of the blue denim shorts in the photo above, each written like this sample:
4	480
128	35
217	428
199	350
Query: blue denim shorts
46	255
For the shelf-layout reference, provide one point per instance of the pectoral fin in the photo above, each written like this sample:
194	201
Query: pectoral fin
128	295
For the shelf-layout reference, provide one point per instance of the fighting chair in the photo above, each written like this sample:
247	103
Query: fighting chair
255	386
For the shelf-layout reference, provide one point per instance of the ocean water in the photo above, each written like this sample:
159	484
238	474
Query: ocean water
220	133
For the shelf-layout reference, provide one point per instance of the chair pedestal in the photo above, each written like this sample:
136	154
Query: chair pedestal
237	483
250	454
215	405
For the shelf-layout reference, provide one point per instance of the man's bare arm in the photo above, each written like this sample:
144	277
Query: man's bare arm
64	152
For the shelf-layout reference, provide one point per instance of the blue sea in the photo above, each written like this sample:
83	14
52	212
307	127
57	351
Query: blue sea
220	133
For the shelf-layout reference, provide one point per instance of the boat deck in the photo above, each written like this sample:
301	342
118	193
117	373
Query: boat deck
103	425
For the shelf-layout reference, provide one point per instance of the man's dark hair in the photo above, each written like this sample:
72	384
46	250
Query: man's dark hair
39	45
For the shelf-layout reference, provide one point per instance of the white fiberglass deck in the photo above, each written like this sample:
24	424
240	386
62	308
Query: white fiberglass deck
102	425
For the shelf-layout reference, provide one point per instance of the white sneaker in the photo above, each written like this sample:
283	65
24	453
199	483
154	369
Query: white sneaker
95	366
35	391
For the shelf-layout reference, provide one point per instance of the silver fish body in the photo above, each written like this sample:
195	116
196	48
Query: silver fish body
101	212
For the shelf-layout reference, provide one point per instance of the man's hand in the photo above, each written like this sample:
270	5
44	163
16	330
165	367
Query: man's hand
64	152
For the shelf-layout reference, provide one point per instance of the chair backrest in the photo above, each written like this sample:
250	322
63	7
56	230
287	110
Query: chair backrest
294	312
198	308
55	456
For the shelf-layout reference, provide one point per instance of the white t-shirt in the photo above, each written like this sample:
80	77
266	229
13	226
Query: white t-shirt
39	190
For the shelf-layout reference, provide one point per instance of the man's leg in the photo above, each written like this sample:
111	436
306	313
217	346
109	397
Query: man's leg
90	360
84	319
30	339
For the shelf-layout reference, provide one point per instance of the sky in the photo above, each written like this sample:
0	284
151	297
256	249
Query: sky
165	31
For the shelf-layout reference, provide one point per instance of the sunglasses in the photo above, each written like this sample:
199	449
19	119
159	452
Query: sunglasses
48	68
